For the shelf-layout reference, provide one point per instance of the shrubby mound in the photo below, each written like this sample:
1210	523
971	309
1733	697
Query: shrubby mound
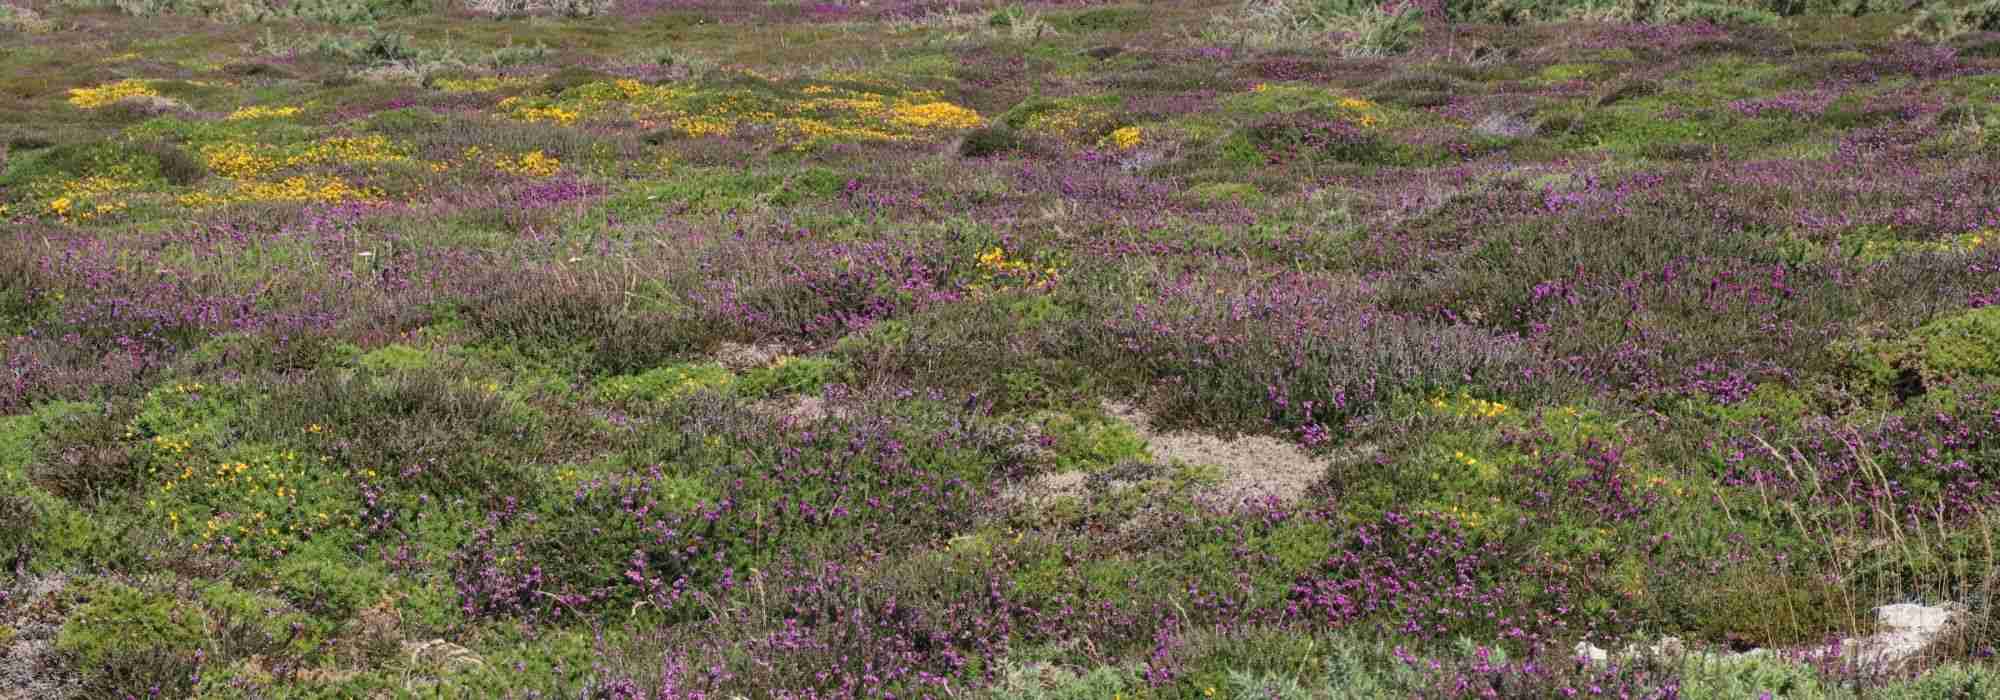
257	11
1189	350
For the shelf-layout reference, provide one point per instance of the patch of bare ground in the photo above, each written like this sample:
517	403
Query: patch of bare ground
799	410
1252	467
737	357
1248	468
29	668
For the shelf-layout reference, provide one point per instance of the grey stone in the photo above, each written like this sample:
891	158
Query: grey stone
1504	125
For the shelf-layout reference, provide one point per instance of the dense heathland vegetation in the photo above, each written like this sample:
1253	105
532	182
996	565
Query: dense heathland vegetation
706	348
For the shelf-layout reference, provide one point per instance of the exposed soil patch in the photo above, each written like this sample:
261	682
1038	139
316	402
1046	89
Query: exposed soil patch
29	667
738	356
1252	466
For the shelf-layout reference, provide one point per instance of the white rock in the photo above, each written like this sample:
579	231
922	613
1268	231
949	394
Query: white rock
1914	618
1906	630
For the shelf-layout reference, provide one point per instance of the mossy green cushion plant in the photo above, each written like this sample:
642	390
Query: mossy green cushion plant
1946	352
124	636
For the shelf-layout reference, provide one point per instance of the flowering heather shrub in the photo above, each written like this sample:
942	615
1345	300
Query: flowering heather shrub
1929	465
1303	354
690	348
1307	134
692	526
256	11
1414	580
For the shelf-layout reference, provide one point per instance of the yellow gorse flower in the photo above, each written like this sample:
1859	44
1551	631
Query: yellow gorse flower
515	107
242	160
1972	241
997	266
86	198
936	115
482	84
818	113
530	164
1127	138
261	112
1466	406
99	96
318	189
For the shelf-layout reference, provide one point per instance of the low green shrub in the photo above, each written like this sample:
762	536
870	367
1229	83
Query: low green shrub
1954	349
670	382
246	11
1090	441
325	579
789	375
129	640
989	141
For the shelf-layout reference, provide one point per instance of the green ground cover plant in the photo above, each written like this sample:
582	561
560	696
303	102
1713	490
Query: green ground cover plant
1054	349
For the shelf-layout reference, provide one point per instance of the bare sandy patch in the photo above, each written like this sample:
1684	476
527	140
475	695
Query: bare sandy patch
1253	467
737	357
30	667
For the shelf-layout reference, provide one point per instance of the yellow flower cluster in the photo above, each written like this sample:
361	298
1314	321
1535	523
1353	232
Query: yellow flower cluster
171	446
318	189
935	115
241	504
1466	406
87	198
1470	518
240	160
1974	240
1665	485
813	130
66	208
587	100
995	261
261	112
631	89
235	159
1486	470
821	113
359	150
99	96
997	266
307	188
1126	139
1362	111
1879	249
1063	122
702	126
530	164
480	84
1288	97
530	113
